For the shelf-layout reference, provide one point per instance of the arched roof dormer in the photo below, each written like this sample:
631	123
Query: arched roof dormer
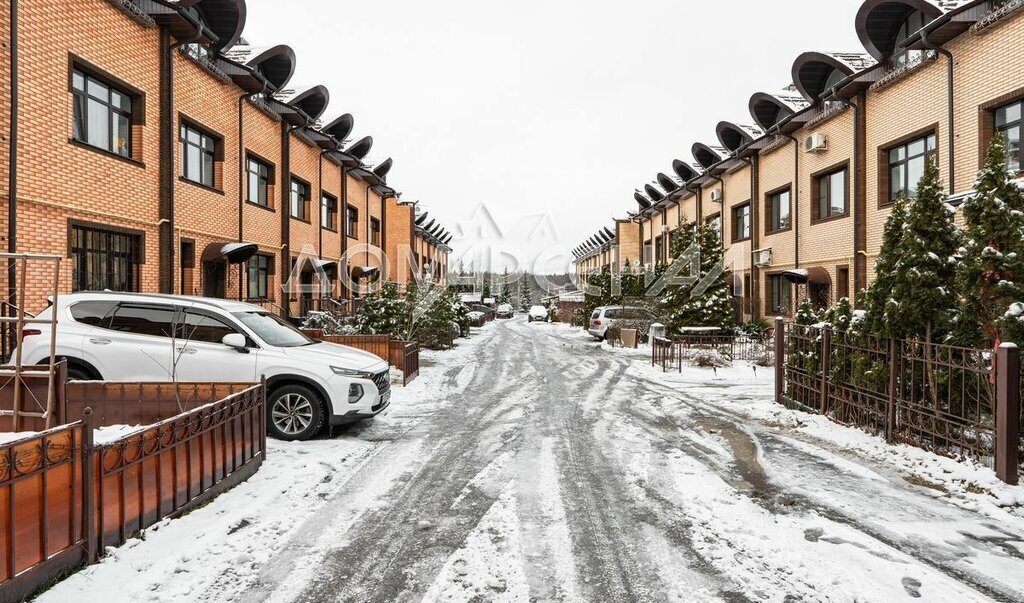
708	155
383	168
814	73
642	201
667	183
340	127
275	64
734	136
882	24
361	148
685	171
312	101
768	110
226	18
653	193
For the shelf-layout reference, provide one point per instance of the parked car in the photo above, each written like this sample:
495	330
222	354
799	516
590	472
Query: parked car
622	317
140	337
504	311
538	313
476	319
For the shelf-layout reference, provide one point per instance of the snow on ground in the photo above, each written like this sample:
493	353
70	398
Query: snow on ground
221	546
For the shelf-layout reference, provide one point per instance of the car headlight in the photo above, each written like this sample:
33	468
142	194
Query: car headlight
355	392
351	373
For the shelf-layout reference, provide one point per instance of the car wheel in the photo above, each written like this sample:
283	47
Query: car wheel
78	374
294	412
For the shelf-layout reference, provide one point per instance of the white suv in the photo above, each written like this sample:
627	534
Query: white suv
142	337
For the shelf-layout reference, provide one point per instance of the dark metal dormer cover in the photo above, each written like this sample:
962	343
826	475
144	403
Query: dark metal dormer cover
684	170
736	136
608	231
668	183
878	22
276	64
422	218
226	18
311	101
812	70
340	128
642	201
383	168
361	148
653	193
708	155
768	110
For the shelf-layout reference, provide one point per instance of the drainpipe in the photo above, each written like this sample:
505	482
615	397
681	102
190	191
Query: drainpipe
949	104
858	209
755	234
242	172
12	167
721	212
343	214
796	195
286	208
167	155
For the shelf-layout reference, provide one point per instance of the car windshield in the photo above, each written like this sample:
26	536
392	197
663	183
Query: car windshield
273	329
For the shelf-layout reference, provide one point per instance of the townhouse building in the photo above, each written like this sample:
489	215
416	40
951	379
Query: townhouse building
159	151
800	193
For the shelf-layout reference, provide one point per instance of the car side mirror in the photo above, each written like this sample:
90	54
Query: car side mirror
237	341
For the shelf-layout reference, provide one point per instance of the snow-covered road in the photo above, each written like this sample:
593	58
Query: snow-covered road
533	464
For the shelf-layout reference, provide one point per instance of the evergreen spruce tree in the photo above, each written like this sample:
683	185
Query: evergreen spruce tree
703	304
385	312
877	296
990	275
924	289
805	314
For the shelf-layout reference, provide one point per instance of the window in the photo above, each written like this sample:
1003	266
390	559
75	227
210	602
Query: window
778	211
195	326
1010	125
914	23
102	115
328	212
906	166
715	222
351	221
104	259
154	321
648	252
374	231
259	276
93	313
300	200
198	156
659	249
832	194
741	222
842	282
779	297
259	182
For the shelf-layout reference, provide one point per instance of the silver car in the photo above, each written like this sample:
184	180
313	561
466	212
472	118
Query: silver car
627	317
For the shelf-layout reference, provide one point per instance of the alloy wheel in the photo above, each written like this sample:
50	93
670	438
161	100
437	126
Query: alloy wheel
292	414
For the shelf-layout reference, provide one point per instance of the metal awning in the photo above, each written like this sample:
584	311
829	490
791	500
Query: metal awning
368	272
234	253
316	265
802	276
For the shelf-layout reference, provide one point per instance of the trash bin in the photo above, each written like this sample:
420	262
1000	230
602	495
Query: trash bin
657	330
628	337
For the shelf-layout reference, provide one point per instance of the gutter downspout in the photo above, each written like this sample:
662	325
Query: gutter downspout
721	212
242	173
949	105
796	196
12	168
167	156
343	228
859	210
755	233
286	208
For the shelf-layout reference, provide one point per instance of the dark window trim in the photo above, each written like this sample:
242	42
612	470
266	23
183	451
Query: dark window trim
987	121
269	272
218	152
735	222
292	178
375	222
84	145
323	194
769	276
271	179
816	191
354	234
73	222
77	62
189	260
768	209
845	292
884	186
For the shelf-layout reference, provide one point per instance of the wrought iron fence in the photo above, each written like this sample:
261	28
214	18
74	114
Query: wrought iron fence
664	354
937	397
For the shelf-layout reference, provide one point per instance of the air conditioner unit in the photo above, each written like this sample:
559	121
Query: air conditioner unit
763	258
816	143
716	195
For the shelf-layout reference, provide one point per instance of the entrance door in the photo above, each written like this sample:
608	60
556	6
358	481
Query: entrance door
215	276
819	295
306	280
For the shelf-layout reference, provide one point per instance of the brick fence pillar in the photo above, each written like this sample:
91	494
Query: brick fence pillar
1007	412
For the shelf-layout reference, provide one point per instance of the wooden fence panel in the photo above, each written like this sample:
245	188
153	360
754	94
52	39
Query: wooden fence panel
375	344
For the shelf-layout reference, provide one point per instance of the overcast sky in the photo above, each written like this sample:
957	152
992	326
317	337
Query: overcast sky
560	108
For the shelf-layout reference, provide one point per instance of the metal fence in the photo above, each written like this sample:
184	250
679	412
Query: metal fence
671	353
405	356
63	499
954	401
